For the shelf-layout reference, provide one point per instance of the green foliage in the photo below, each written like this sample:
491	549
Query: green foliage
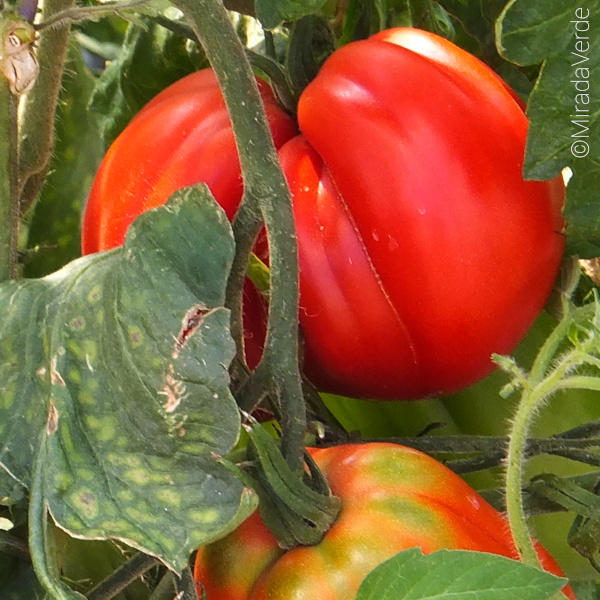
151	59
272	12
456	574
90	353
530	33
130	350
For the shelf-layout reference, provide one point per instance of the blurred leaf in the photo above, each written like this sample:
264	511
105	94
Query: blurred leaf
55	225
272	12
531	33
477	20
124	355
25	587
151	59
587	590
456	574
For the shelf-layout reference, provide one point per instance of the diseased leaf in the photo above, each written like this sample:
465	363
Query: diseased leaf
563	109
272	12
456	574
123	356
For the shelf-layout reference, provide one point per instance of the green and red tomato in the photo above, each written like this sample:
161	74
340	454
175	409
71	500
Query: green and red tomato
392	498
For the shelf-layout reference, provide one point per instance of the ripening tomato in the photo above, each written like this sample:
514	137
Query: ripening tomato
422	250
393	498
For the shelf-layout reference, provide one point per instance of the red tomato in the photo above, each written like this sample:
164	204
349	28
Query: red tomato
181	137
422	250
393	498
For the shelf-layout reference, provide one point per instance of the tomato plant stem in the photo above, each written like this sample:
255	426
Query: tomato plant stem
39	109
265	188
544	380
9	200
124	576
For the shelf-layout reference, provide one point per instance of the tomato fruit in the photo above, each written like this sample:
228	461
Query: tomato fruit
181	137
393	498
422	250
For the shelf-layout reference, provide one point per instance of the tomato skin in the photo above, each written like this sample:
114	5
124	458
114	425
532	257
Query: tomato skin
393	498
181	137
422	249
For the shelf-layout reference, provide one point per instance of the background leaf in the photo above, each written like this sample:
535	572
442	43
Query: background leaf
530	33
127	353
272	12
151	59
456	574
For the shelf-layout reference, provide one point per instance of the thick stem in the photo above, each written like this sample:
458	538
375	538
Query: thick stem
37	131
265	186
9	198
123	577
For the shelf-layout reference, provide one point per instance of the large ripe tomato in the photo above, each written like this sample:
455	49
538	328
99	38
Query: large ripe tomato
422	250
393	498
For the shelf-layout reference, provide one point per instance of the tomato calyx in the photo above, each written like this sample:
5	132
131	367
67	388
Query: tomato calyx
297	508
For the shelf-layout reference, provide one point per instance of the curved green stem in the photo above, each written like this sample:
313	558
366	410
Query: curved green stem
530	403
246	225
264	187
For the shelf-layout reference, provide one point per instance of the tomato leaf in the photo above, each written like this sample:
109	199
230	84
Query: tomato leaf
124	356
272	12
563	109
458	574
151	59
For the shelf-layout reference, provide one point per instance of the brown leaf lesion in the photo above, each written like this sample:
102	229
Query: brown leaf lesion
52	422
190	323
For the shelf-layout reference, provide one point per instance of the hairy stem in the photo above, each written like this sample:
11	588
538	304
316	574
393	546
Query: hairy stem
37	129
264	187
9	198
